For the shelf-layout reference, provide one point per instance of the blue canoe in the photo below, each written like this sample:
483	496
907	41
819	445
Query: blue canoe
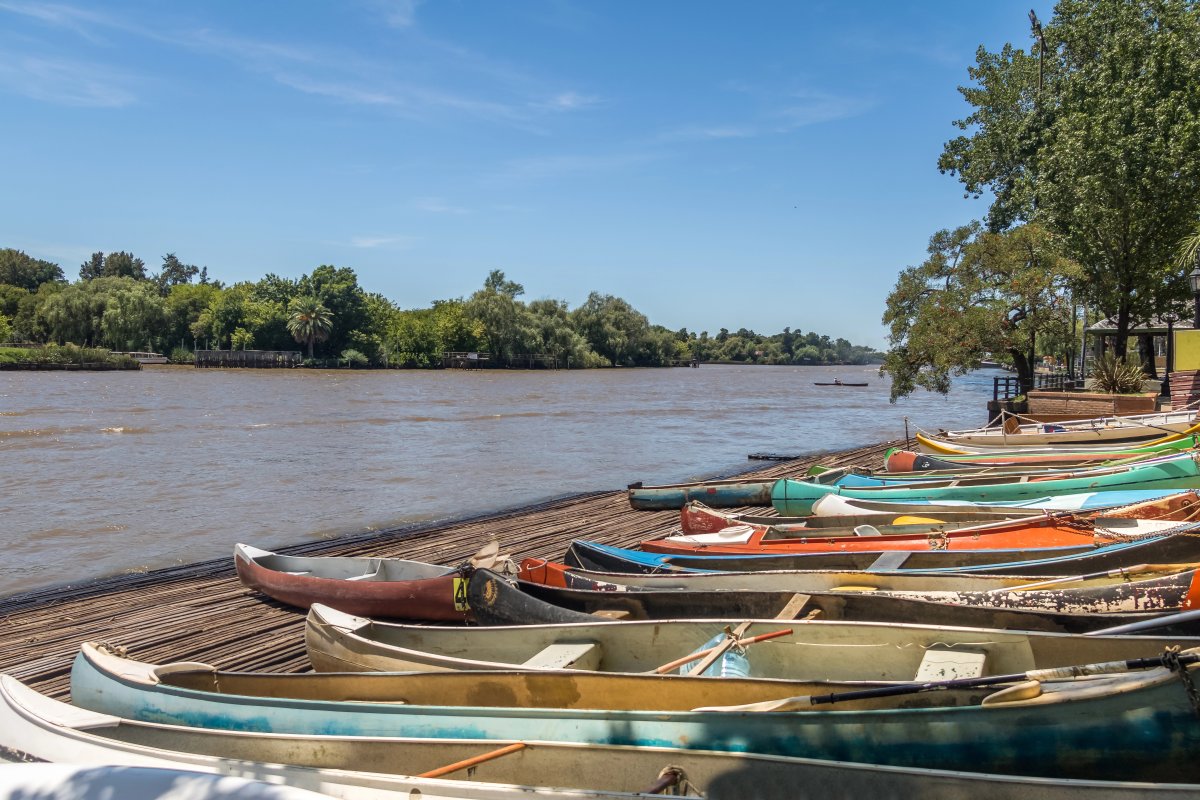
1180	547
1128	726
796	497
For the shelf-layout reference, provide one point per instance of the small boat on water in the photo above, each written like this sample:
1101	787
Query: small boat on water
1039	723
1176	472
836	382
380	587
377	768
497	600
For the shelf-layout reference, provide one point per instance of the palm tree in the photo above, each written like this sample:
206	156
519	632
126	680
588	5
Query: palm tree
309	321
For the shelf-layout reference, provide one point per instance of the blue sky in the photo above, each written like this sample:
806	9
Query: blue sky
756	165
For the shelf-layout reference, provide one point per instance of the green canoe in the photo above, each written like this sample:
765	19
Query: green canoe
796	497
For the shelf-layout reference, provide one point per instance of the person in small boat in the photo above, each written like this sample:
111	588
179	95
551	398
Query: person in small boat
837	381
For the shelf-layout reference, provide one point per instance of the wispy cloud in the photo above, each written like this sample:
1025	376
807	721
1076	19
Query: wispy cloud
66	82
541	167
394	242
81	21
775	113
703	132
397	13
436	205
424	79
569	101
811	108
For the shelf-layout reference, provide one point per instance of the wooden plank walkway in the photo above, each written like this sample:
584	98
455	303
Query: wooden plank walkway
201	612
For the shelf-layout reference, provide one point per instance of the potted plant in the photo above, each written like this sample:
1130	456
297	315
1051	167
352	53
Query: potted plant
1116	389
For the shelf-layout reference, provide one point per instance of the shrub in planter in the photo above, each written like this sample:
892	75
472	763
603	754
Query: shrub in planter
1116	375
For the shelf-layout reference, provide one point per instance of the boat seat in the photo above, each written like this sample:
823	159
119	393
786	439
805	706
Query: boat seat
566	655
891	559
612	613
866	530
366	576
941	663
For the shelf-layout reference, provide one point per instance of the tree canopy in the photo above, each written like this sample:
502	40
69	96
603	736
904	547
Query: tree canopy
1096	136
978	293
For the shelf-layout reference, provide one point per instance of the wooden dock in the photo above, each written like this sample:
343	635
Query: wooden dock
201	612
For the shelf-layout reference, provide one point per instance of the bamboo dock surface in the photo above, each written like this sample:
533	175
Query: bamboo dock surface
201	612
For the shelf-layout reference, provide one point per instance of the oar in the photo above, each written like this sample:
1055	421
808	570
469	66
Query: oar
801	702
719	649
1161	621
1136	569
470	762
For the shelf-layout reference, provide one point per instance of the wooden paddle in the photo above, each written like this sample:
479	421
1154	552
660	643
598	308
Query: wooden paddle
801	702
470	762
1135	569
716	651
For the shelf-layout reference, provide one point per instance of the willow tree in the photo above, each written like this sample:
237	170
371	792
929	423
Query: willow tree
309	321
976	294
1095	134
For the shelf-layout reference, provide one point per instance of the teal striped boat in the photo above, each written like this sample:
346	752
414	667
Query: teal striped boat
796	497
1126	725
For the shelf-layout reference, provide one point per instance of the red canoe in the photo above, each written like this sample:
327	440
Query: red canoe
369	587
1006	534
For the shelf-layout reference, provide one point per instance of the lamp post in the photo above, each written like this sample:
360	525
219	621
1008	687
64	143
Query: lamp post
1170	317
1194	278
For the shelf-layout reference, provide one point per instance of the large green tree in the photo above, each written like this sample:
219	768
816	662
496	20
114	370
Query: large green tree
507	325
25	271
309	321
113	265
1097	137
977	293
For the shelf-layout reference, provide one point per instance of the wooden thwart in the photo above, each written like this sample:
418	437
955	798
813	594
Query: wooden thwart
470	762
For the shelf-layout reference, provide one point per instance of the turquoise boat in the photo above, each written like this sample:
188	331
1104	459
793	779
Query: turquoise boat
1127	725
796	497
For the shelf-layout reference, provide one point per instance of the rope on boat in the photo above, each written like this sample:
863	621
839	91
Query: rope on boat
1172	662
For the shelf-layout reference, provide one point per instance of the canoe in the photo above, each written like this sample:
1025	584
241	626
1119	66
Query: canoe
1177	472
936	443
1113	560
902	460
798	649
1128	725
837	383
382	587
836	511
1048	561
1001	534
72	781
497	600
718	494
1096	430
54	730
1107	502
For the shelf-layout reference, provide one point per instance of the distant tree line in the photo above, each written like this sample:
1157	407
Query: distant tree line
118	304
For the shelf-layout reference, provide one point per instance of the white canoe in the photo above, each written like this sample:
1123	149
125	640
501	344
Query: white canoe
59	731
78	782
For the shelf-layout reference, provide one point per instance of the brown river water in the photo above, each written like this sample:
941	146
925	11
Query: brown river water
110	472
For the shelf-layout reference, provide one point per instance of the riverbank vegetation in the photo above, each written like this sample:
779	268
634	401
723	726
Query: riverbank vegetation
117	303
1088	146
63	357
